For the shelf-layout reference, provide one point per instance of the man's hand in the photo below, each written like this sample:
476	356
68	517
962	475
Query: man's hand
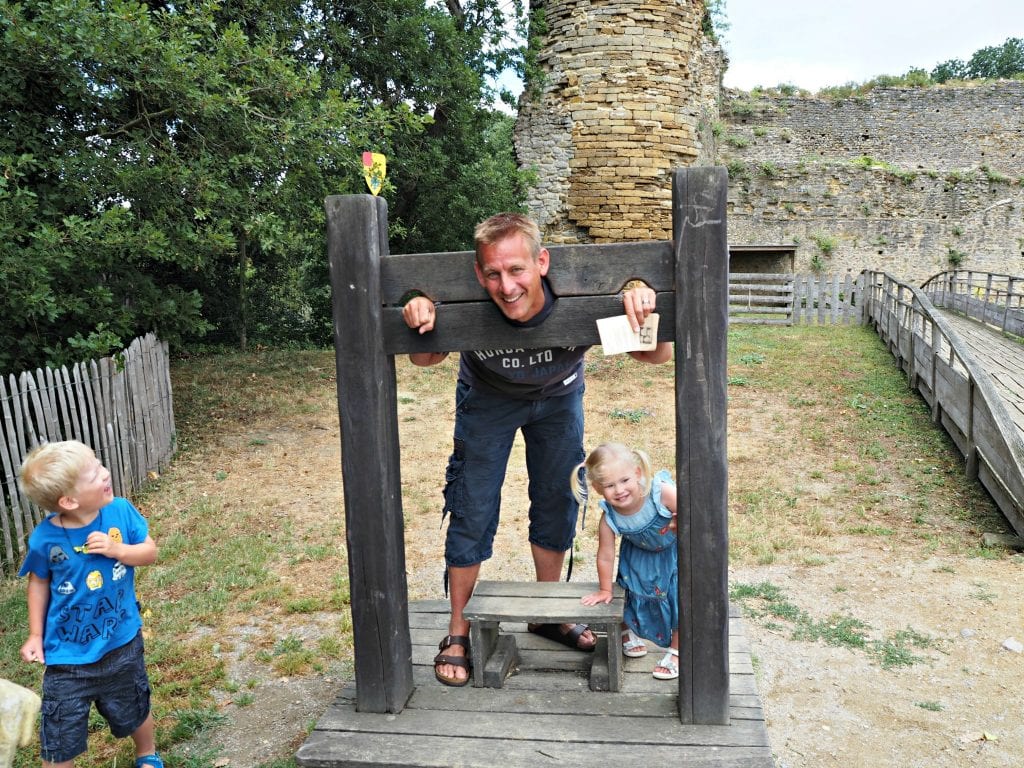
638	303
420	313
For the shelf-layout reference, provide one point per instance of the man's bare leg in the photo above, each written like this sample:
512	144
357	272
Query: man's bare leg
548	564
461	582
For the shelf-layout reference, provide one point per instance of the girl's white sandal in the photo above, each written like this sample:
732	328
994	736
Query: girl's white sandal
668	661
632	645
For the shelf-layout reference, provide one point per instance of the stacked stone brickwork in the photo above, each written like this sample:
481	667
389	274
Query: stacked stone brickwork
908	180
625	87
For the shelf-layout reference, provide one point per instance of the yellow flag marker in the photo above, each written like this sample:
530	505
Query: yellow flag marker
375	167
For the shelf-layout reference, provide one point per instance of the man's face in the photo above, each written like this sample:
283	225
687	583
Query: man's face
512	278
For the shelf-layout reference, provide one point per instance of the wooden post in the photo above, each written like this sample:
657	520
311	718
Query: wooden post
367	407
701	327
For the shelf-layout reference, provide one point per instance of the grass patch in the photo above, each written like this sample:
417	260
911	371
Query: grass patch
766	603
632	415
880	465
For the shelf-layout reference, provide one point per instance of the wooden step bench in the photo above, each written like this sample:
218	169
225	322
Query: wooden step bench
548	602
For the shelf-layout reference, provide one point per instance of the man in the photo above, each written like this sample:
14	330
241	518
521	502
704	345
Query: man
538	391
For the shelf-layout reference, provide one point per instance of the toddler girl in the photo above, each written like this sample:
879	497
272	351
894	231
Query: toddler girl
640	508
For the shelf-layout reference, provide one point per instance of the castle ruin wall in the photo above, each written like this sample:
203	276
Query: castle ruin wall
912	181
619	105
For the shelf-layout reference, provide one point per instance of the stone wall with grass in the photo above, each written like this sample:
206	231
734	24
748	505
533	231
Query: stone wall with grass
912	181
622	92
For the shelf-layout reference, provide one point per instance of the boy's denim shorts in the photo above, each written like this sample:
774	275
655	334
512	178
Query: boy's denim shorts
117	683
485	428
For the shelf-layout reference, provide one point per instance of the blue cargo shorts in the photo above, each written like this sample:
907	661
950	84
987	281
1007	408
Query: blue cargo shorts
485	428
117	683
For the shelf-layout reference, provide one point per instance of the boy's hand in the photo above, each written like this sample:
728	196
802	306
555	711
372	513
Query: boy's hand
100	543
596	598
32	650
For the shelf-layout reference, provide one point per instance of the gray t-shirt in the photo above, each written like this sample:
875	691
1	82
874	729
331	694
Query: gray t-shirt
525	374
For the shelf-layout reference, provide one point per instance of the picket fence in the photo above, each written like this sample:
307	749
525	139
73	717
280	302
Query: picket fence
120	406
762	298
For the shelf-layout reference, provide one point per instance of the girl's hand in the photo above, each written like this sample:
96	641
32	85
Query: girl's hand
596	598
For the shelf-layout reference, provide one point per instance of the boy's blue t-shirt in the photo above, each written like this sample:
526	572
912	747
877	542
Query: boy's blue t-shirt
92	607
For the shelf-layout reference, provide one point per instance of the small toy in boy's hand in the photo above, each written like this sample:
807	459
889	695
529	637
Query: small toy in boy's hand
617	336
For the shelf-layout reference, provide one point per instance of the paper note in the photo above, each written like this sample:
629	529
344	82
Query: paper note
617	337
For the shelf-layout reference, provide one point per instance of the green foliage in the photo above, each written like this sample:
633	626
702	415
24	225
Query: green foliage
633	416
737	170
1000	61
714	23
766	602
163	167
826	243
533	74
955	257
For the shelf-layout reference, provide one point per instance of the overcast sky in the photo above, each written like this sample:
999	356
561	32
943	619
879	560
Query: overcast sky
814	43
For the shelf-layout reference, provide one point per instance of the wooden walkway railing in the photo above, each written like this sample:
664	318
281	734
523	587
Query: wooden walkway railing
994	299
952	377
119	406
764	298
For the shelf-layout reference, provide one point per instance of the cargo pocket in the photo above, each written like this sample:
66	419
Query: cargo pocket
50	730
454	482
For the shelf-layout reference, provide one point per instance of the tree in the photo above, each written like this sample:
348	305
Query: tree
1002	61
440	62
165	165
1005	60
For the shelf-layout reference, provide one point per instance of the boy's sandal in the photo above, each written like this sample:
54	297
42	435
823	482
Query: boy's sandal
456	661
632	645
668	661
149	761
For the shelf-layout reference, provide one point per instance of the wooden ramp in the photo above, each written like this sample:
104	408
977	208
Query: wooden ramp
545	714
1001	357
970	373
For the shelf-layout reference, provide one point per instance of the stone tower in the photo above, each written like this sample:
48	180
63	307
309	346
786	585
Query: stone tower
629	91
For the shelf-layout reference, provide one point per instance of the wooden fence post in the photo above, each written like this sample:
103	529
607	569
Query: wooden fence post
356	243
701	328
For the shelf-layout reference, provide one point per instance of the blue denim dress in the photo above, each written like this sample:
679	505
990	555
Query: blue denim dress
648	565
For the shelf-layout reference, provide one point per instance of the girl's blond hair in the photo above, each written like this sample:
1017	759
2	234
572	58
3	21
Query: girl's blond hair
592	468
52	470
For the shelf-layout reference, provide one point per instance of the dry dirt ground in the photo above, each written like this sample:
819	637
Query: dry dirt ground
892	563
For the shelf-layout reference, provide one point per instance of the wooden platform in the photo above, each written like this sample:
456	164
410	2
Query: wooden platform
545	715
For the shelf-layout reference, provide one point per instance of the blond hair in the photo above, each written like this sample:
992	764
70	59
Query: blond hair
502	225
592	469
52	471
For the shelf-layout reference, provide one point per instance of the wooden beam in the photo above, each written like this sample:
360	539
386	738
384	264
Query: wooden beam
701	328
368	406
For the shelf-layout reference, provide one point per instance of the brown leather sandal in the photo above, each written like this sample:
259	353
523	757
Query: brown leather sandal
455	661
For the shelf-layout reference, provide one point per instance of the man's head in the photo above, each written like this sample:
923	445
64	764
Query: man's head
64	476
510	264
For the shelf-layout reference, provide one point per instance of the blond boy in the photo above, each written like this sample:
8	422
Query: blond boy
83	616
